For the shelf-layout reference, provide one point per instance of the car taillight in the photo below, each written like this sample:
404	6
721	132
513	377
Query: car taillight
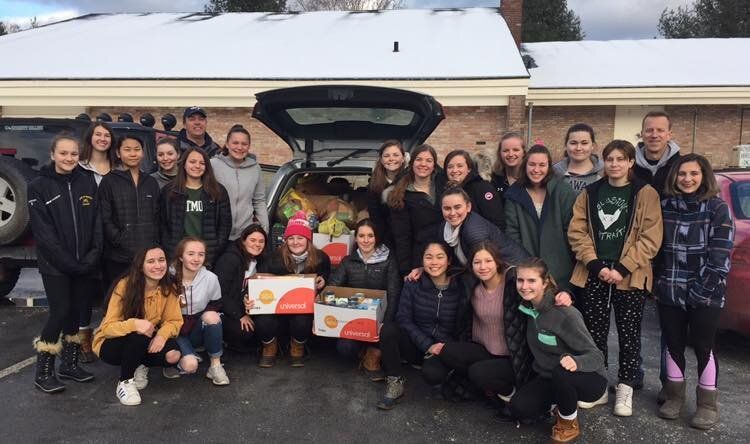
8	152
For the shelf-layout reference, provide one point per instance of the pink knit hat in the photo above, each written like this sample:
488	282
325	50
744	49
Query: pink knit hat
298	225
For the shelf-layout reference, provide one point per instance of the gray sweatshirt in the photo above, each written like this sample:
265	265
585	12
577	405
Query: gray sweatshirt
204	289
580	181
553	332
245	188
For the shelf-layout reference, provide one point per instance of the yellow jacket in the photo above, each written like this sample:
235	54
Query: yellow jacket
161	310
642	241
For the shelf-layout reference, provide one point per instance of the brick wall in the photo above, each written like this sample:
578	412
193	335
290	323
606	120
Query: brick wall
470	128
550	123
717	130
512	11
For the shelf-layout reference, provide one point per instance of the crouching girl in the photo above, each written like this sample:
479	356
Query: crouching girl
199	298
143	318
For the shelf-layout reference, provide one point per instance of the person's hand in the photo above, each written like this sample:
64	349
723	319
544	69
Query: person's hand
246	324
604	275
414	275
248	303
144	327
436	348
319	282
563	299
156	344
568	363
615	277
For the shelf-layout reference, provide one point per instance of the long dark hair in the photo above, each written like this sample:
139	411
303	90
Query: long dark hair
135	285
177	264
379	179
708	187
87	149
523	178
368	223
210	184
250	229
396	197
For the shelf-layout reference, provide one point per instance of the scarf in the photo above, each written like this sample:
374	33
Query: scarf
300	261
379	255
452	237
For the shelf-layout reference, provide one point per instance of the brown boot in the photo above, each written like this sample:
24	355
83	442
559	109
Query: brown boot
371	364
675	399
87	353
707	414
565	430
268	356
297	353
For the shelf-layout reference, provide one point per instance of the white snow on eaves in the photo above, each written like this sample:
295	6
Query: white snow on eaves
640	63
468	43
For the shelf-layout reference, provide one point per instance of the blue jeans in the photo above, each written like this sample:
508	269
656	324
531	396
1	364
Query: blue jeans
208	335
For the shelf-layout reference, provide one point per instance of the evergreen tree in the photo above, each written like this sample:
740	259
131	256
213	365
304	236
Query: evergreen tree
706	18
219	6
549	21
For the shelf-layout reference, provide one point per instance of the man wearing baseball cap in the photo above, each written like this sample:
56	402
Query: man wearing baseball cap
193	133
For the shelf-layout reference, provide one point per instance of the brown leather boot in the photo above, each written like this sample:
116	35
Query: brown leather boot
707	413
297	353
371	364
87	353
268	355
565	430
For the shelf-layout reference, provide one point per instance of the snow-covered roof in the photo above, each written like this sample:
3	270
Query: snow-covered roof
640	63
433	44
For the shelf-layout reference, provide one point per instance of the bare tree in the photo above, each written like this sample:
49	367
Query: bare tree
344	5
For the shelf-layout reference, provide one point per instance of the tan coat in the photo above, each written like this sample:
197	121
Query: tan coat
641	245
161	310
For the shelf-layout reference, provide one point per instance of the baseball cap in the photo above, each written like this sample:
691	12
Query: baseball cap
193	110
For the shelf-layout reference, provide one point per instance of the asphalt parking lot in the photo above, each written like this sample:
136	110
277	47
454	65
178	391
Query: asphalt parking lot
326	401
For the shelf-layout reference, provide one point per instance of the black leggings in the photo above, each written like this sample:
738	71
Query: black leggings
564	389
396	344
131	350
64	294
486	371
696	326
596	303
235	337
268	327
86	307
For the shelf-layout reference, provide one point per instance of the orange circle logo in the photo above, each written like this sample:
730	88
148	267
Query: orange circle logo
266	296
331	321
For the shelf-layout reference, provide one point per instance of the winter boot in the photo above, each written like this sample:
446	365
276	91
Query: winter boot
674	392
69	368
268	355
46	379
297	353
371	364
87	352
394	389
565	430
707	414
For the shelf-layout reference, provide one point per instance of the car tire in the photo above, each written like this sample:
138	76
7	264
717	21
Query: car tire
14	210
8	279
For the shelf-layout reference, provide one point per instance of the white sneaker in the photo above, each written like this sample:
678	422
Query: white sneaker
601	401
127	393
141	377
623	400
217	375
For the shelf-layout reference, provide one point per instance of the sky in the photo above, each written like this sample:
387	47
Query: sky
601	19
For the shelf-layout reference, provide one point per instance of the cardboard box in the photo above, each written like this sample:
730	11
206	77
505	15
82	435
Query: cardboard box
294	294
349	323
335	247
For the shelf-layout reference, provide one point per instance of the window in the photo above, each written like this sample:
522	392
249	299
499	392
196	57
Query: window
385	116
741	199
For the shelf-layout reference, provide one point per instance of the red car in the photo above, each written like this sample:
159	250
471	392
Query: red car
735	190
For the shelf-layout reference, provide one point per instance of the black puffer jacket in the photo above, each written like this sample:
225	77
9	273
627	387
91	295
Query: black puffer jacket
129	213
217	221
275	265
428	315
380	215
415	225
486	200
209	146
230	269
514	323
476	229
500	182
353	272
65	222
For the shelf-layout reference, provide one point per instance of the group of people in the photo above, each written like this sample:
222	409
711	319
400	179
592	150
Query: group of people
499	284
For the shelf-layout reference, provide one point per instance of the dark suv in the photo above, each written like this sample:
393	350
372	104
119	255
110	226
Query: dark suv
24	149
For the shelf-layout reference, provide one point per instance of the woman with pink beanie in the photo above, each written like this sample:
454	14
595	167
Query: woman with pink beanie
296	255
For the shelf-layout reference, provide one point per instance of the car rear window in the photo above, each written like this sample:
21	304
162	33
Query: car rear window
741	199
316	116
30	142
